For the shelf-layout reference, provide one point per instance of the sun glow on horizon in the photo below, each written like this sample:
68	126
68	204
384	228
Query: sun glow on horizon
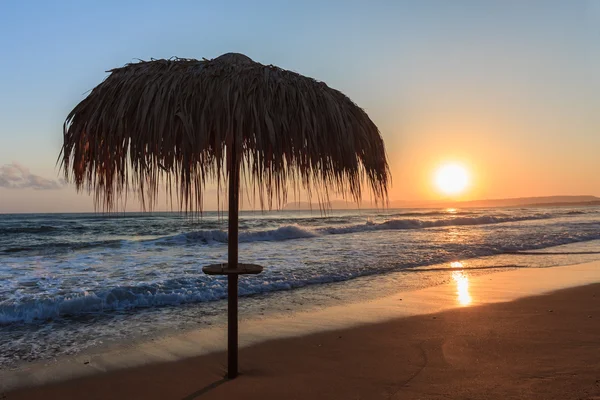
451	179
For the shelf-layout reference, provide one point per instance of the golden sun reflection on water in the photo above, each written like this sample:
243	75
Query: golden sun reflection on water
462	284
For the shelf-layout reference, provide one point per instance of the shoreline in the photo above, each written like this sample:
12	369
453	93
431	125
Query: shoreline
491	351
486	289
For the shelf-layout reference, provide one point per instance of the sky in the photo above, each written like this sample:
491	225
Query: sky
508	89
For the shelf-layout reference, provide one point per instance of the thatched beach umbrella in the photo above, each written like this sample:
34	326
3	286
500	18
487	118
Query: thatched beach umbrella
180	123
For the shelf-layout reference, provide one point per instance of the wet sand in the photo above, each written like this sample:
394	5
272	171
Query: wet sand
542	347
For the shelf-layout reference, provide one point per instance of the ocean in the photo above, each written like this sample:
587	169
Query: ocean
69	282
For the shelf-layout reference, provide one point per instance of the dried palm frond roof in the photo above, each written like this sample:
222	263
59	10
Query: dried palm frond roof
172	121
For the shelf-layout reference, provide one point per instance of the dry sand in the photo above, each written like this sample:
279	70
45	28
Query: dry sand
543	347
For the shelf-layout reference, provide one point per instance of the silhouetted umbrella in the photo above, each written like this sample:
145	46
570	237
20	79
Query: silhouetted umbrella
181	123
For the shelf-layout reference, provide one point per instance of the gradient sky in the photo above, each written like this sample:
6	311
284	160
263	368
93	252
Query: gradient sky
511	89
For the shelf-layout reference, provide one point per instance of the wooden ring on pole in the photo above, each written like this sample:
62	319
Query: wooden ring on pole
223	269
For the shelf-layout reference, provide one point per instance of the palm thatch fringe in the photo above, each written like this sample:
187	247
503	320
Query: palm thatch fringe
171	122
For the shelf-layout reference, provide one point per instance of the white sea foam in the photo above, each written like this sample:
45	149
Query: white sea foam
286	232
169	293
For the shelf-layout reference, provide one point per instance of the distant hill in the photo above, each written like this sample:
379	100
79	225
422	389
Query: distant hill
545	201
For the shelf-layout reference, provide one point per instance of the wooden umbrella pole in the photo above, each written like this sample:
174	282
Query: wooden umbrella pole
232	260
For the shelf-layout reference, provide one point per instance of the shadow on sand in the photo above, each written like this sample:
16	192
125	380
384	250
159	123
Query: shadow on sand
205	389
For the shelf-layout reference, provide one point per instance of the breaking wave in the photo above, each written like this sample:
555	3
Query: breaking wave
289	232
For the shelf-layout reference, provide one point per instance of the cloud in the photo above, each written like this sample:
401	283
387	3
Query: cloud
17	176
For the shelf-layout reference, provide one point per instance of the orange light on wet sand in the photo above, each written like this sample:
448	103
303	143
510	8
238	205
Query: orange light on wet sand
451	179
462	284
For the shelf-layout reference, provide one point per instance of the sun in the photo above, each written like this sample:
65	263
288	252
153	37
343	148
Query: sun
452	179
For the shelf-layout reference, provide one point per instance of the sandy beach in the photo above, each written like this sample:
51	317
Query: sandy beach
539	347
